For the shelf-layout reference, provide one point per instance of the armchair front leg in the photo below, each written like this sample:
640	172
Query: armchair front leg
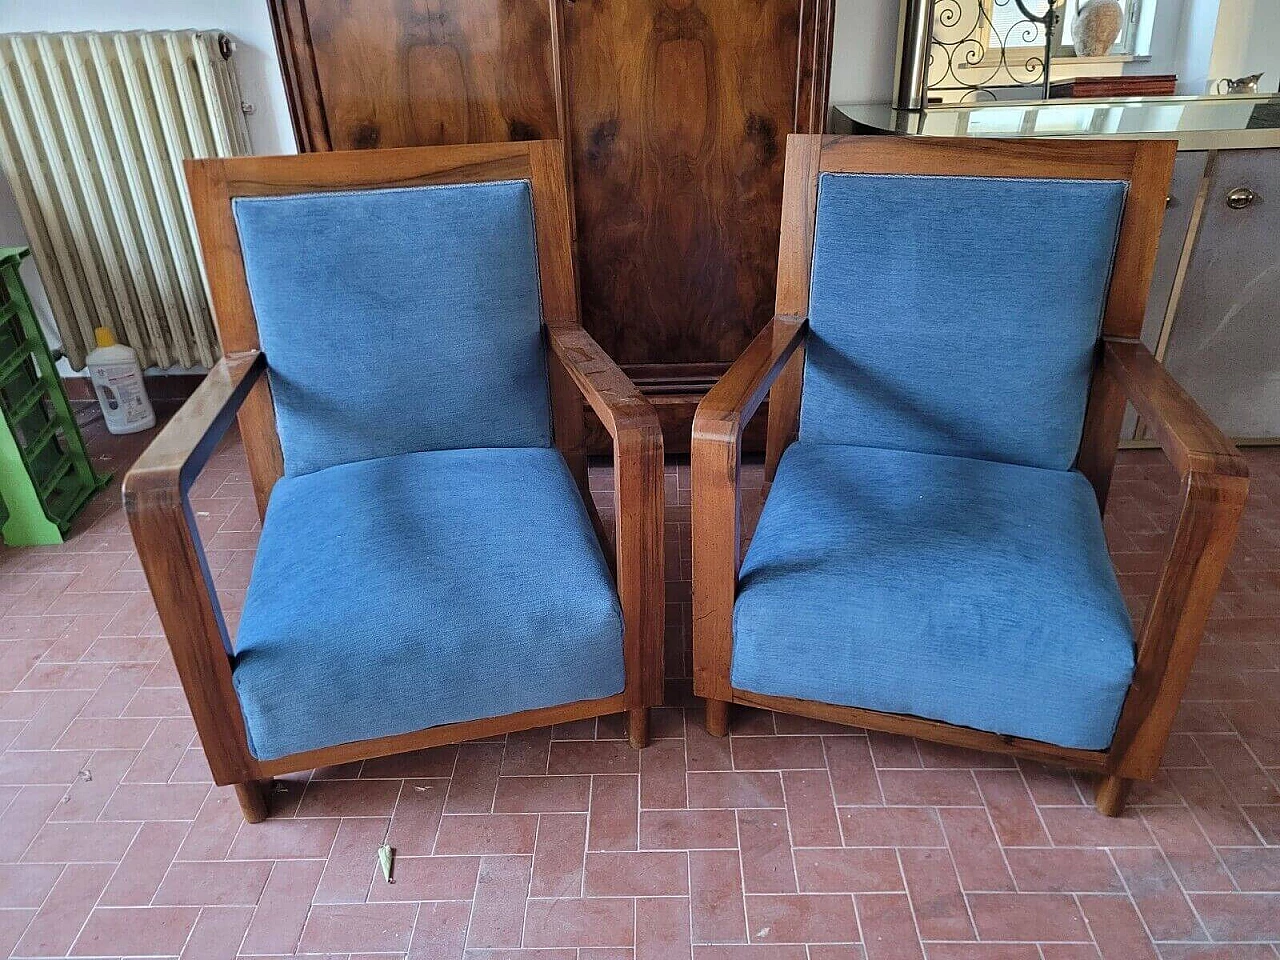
716	461
638	504
638	507
156	500
1215	482
715	458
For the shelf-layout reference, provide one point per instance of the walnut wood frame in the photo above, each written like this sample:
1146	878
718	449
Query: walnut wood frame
157	488
1214	475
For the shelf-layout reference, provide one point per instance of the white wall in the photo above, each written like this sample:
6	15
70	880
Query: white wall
864	51
1160	36
1247	41
1194	45
1226	38
255	60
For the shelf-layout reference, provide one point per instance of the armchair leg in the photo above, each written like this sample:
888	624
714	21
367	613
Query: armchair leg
253	797
638	727
718	718
1111	796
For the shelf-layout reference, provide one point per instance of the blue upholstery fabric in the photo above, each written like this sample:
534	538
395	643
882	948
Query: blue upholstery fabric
962	590
957	315
395	594
398	320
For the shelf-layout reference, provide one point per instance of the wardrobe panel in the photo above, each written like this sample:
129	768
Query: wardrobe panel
679	113
395	73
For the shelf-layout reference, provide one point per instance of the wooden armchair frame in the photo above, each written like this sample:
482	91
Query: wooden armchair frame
157	488
1214	475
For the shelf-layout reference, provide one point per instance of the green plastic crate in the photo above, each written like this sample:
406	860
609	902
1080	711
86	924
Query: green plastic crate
45	474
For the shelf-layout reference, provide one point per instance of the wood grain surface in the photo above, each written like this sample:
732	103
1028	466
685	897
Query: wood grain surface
399	73
679	114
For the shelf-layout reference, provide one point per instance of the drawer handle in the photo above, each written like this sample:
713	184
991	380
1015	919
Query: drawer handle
1240	197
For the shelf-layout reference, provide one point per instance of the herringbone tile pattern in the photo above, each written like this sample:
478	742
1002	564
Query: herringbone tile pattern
792	840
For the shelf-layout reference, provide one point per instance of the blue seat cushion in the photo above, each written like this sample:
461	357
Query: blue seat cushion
396	594
398	320
968	591
957	315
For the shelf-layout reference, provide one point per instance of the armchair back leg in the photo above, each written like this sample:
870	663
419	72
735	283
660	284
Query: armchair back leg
638	727
1112	793
254	798
718	718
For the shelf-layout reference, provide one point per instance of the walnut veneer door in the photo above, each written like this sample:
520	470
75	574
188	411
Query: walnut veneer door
679	113
395	73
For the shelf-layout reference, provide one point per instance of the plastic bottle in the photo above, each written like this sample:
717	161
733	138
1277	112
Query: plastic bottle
117	379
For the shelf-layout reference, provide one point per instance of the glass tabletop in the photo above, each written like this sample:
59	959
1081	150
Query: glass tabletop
1218	121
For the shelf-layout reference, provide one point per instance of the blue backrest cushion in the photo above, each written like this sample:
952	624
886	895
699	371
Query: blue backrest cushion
398	320
957	315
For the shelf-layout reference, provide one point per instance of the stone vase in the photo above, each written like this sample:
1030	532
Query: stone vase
1096	27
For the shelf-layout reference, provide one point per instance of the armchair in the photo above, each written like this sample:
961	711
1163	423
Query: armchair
401	347
955	341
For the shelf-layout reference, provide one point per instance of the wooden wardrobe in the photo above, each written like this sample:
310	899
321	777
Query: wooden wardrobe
675	113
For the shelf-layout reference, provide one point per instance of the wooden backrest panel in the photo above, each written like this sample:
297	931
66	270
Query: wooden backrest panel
214	184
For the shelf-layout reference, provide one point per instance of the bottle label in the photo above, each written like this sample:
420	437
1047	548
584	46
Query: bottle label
120	388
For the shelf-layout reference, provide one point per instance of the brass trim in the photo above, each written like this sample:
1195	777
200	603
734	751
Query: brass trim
1180	274
1188	248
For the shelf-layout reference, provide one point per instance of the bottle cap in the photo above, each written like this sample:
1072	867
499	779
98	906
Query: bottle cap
104	337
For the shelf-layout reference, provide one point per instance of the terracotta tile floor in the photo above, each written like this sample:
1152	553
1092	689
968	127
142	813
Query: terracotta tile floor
792	840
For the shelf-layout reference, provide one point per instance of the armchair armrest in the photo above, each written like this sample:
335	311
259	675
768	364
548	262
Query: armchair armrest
175	458
716	456
614	398
168	542
1215	481
1186	434
638	502
728	406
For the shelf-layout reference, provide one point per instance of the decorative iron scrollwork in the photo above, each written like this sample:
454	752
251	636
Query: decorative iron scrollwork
971	52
